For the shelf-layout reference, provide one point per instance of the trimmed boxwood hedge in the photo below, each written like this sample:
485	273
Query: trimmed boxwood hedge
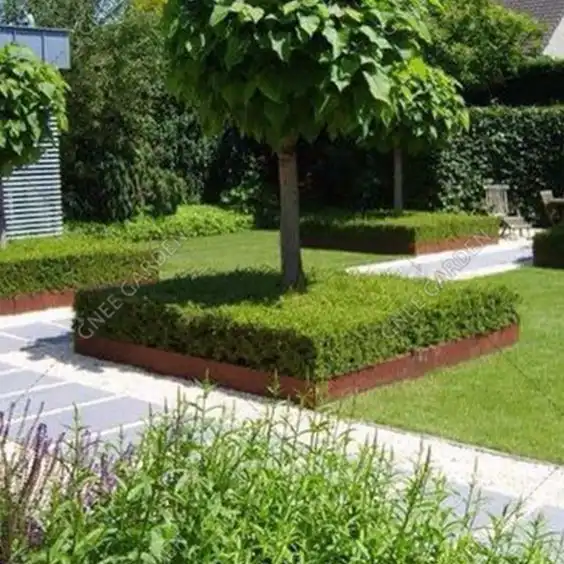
384	231
548	247
72	262
342	323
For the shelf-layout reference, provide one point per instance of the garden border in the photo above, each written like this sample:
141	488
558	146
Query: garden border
261	383
394	245
37	301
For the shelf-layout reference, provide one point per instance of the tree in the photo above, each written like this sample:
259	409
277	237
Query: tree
31	93
284	71
427	113
481	42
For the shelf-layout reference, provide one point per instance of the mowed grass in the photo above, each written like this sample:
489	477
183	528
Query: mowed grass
511	401
224	253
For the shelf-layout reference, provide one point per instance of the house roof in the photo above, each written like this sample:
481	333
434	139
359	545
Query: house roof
548	12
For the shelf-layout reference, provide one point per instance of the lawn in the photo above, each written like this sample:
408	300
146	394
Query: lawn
252	249
512	401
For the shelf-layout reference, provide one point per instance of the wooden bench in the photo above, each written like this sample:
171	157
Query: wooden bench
497	203
554	206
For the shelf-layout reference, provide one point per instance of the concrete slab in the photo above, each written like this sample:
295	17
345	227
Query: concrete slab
22	380
58	398
97	417
38	332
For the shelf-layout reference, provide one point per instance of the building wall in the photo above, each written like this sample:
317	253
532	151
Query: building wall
32	197
555	47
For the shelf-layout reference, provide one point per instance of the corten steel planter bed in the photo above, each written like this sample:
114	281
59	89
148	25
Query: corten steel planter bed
38	301
311	394
393	244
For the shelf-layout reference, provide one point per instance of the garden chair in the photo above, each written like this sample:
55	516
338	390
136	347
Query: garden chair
554	206
497	203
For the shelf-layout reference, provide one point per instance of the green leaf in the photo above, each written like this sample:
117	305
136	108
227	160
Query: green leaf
334	40
339	78
378	85
219	13
290	7
270	87
280	43
310	24
253	13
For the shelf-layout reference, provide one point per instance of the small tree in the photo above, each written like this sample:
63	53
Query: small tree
427	113
481	42
31	93
279	71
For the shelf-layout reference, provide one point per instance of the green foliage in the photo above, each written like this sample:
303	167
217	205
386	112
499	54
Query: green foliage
281	71
129	141
518	146
388	231
69	263
539	81
204	488
548	247
343	323
31	92
481	42
188	222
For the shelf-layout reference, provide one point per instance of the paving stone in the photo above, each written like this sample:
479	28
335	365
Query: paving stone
554	518
99	417
39	332
9	344
53	398
492	504
23	380
5	367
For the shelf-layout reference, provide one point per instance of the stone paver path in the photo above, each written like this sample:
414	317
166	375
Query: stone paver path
37	362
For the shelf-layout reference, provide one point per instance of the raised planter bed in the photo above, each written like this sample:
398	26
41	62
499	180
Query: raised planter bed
406	233
37	274
36	302
396	245
261	383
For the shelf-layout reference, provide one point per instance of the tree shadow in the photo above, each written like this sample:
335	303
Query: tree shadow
213	289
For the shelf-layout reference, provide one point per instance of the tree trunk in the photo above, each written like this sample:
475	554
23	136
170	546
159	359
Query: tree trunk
290	252
398	180
3	234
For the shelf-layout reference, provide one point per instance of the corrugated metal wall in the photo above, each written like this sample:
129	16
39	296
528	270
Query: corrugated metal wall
32	197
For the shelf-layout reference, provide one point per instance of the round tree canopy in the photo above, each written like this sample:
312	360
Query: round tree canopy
31	93
279	71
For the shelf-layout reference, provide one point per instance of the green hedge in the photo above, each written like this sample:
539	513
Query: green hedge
521	147
66	263
388	231
548	247
188	222
538	82
343	323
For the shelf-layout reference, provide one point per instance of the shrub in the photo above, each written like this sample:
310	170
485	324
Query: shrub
518	146
386	231
69	263
539	81
343	322
200	488
188	222
548	247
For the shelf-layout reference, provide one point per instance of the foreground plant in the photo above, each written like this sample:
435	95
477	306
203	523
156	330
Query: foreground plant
203	487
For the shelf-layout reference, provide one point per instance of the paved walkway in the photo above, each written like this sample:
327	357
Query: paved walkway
37	362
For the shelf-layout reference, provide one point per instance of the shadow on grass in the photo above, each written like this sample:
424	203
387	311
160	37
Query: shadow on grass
213	289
